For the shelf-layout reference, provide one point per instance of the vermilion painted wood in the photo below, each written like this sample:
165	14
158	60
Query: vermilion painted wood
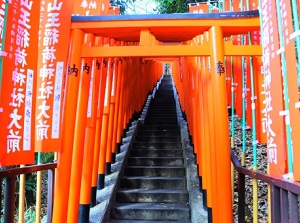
79	135
62	184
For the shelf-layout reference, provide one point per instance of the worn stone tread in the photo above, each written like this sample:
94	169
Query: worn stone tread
151	206
142	221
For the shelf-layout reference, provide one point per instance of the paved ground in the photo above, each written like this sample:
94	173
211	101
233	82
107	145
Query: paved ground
100	213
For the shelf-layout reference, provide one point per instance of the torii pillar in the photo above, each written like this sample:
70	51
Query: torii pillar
223	207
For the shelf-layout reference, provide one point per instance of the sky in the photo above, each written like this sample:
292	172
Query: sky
141	7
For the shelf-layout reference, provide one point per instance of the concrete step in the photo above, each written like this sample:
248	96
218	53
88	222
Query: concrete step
165	91
159	128
155	161
164	95
153	186
166	87
158	133
157	139
169	100
154	171
143	221
153	183
146	211
163	104
161	122
155	118
162	145
156	153
162	116
162	110
152	196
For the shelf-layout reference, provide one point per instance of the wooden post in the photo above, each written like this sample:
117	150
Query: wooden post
100	108
210	137
79	135
105	122
224	208
90	132
62	183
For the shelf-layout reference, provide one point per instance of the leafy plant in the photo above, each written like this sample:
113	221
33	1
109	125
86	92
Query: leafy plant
29	215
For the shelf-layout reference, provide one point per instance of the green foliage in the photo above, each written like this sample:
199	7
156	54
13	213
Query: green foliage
47	157
30	183
29	215
172	6
178	6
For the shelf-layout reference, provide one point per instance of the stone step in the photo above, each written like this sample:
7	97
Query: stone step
155	161
166	87
157	108
165	84
162	145
152	196
148	211
157	139
137	182
159	128
164	95
153	184
162	99
154	171
164	111
165	91
163	104
144	221
170	100
161	122
158	133
161	116
156	153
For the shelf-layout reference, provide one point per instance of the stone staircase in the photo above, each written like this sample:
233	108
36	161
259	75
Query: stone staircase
153	188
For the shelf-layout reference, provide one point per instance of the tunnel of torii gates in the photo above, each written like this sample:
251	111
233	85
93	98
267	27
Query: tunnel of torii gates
115	61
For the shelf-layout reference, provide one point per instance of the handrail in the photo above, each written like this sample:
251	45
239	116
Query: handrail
291	186
26	170
10	185
284	194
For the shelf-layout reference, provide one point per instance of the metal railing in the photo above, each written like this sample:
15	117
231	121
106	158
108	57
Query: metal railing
284	194
10	175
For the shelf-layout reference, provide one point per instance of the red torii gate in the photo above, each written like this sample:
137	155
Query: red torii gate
155	36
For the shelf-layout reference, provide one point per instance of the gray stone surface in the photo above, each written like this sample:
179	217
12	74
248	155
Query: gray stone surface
99	212
199	215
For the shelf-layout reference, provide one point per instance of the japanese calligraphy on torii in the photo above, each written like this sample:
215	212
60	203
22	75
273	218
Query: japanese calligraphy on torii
220	68
88	4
